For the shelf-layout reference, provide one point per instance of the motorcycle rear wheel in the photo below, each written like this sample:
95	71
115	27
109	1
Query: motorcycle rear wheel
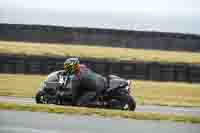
125	102
131	104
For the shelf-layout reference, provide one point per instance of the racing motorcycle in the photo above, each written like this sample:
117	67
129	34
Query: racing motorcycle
58	90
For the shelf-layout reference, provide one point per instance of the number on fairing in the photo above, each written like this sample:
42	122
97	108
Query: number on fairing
69	85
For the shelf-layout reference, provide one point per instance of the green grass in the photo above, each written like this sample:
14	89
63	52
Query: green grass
146	92
167	93
98	112
21	48
20	85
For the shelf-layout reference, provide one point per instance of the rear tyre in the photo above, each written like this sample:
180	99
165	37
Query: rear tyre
131	104
123	103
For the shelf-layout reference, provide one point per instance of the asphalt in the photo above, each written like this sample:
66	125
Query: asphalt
194	111
41	122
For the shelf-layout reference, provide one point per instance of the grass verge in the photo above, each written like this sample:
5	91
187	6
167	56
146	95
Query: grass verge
21	48
145	92
167	93
98	112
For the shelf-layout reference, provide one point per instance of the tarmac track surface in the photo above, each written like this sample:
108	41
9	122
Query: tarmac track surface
41	122
194	111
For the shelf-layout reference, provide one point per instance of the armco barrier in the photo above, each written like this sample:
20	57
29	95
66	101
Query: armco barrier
127	69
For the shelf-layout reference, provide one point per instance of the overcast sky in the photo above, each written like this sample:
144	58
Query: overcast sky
157	15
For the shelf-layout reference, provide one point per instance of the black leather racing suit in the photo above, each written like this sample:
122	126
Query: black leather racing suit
86	81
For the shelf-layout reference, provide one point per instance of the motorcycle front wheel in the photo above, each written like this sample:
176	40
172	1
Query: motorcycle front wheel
44	98
40	97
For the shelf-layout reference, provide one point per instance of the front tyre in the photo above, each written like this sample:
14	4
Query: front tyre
40	97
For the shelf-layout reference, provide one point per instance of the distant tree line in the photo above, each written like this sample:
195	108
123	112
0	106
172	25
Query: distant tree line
101	37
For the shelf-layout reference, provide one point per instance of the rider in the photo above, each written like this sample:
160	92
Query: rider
85	81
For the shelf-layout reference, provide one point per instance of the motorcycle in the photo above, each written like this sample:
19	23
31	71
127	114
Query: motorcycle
57	90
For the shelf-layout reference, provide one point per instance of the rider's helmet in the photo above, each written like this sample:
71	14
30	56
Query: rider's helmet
71	65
